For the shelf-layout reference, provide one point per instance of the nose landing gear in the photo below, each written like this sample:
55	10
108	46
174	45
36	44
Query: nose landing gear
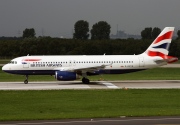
26	80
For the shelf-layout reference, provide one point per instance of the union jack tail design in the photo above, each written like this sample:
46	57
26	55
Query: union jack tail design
160	46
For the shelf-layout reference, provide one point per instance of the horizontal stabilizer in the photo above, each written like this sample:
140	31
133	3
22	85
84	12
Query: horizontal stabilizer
171	59
168	59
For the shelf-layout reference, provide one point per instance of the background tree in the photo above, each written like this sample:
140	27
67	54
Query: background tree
178	33
146	33
29	33
155	32
81	29
100	31
58	46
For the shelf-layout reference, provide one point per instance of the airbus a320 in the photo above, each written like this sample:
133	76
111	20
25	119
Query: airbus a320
66	68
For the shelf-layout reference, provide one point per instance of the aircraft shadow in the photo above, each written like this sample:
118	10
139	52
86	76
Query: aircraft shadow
80	83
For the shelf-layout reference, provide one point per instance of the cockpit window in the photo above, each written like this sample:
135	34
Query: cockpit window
13	62
10	62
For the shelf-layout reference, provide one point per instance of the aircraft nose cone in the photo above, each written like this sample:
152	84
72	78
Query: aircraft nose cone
4	68
7	68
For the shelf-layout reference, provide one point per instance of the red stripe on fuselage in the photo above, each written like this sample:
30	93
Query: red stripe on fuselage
167	35
31	59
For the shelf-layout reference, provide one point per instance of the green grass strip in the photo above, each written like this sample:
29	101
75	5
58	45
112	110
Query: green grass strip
65	104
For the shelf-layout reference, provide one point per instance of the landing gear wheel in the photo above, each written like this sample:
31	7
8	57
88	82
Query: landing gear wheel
26	80
85	80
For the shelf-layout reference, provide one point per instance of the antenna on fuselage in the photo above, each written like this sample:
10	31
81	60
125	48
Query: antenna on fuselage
27	54
104	54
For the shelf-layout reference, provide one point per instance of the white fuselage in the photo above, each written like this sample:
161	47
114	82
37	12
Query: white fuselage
47	65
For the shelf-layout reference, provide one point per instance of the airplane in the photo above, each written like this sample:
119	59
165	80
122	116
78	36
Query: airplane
66	68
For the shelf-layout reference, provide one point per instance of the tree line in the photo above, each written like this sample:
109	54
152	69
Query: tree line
98	44
57	46
99	31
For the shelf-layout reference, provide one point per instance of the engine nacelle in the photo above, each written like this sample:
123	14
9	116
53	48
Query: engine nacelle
66	76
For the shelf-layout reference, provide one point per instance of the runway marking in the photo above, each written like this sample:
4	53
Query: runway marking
110	85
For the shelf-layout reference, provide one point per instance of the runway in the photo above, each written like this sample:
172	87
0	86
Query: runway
104	121
126	84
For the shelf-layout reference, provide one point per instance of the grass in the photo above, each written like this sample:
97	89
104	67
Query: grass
65	104
150	74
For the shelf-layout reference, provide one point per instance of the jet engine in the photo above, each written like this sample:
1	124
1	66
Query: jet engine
66	76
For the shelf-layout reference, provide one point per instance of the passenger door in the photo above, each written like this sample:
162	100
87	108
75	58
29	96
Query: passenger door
141	61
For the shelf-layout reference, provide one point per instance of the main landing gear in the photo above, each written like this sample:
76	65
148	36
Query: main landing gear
85	80
26	80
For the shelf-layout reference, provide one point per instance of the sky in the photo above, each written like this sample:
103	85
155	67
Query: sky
56	18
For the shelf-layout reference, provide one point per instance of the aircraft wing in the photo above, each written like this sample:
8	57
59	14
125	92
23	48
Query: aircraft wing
84	68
